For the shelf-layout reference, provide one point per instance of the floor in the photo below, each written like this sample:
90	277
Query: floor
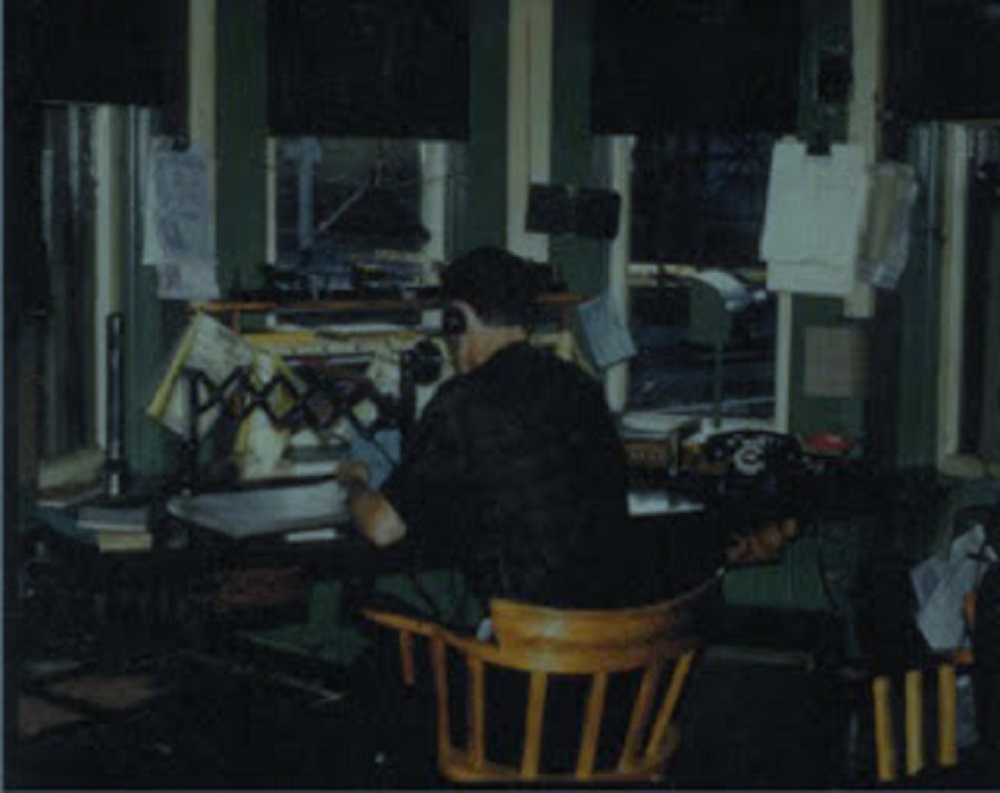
157	714
180	719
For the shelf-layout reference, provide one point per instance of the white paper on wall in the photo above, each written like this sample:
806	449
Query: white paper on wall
815	216
187	282
178	227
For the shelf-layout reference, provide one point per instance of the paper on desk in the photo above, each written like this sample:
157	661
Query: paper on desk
259	444
604	327
208	346
642	503
656	423
941	584
242	514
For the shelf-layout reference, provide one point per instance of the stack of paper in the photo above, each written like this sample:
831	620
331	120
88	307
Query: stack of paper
243	514
117	529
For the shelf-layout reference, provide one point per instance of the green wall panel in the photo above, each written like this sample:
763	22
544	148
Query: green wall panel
479	210
919	306
575	151
241	138
151	325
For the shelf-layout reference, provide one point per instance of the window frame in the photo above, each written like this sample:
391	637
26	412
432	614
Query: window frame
951	461
82	465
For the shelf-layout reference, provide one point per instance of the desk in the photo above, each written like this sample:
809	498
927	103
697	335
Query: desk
187	590
269	549
290	568
92	604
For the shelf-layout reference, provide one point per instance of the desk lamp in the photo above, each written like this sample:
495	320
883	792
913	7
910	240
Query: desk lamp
715	297
114	471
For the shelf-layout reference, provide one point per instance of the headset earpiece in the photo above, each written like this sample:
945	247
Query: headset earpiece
454	321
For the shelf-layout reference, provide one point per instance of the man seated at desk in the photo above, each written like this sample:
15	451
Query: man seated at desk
516	465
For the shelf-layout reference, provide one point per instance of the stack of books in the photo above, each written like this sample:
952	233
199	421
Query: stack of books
117	529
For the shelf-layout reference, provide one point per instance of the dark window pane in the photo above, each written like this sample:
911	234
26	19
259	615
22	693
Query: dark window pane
699	197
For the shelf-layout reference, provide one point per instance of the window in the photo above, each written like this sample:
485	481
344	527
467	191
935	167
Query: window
81	215
970	327
695	207
360	213
69	357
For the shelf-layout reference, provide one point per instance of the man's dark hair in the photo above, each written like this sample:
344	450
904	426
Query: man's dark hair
501	287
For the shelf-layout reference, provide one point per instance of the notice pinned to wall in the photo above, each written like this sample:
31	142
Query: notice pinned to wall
179	228
607	334
815	217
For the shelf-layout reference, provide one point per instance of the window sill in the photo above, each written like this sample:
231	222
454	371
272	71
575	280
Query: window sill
964	466
77	468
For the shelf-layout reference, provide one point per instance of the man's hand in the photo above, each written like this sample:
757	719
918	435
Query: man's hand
372	513
353	472
764	545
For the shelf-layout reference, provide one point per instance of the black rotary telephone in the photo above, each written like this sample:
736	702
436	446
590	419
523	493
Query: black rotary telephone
756	472
758	454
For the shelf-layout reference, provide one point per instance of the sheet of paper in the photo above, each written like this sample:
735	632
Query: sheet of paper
241	514
940	618
178	211
927	576
187	282
111	519
210	347
179	223
815	215
644	503
941	585
886	242
656	423
604	327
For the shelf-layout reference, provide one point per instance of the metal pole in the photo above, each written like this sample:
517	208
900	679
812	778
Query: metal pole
115	466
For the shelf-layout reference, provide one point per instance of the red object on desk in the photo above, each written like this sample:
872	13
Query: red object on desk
828	444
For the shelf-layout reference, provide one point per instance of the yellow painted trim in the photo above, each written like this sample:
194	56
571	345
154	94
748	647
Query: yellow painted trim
529	117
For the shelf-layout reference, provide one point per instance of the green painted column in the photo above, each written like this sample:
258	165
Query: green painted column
151	324
826	28
575	151
241	142
920	308
478	210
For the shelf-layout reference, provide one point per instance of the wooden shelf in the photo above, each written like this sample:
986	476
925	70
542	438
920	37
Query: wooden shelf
559	302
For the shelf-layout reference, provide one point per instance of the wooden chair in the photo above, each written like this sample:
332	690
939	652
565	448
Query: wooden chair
657	644
916	709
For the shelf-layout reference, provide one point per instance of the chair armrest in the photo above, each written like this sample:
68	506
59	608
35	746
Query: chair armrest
400	622
407	626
